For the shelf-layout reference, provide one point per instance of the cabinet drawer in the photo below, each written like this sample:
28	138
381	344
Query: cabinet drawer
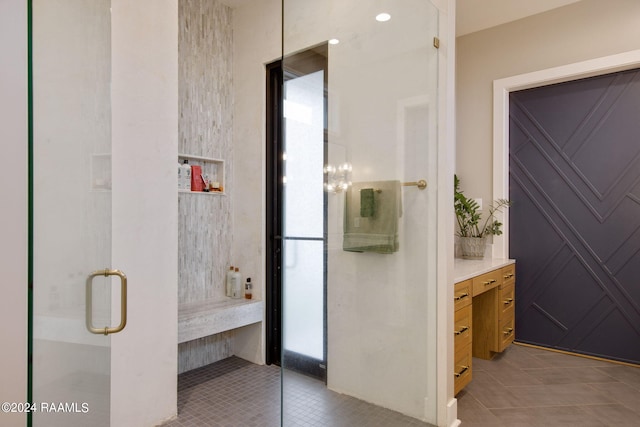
509	274
487	281
462	294
507	301
462	327
507	332
462	369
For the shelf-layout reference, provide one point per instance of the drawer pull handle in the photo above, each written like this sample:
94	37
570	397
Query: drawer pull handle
459	374
489	282
462	330
508	276
461	296
508	301
507	331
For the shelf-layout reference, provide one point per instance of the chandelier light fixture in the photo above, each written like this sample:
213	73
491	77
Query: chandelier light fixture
338	177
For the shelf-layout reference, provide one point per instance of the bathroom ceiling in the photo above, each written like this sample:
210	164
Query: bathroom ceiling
476	15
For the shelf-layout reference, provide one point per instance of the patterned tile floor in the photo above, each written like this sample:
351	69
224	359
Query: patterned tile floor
530	387
236	393
523	387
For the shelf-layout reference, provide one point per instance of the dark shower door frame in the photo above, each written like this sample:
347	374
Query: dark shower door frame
297	65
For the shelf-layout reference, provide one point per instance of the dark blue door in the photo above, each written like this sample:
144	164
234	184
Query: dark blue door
575	220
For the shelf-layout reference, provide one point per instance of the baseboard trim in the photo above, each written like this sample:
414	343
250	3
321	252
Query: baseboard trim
452	413
586	356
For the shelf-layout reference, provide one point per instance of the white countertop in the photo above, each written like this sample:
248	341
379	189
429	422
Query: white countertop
464	269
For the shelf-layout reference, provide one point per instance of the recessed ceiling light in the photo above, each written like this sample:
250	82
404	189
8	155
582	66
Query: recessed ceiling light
383	17
334	41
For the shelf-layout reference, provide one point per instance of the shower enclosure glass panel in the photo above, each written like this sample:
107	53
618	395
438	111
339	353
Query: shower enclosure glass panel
379	132
71	149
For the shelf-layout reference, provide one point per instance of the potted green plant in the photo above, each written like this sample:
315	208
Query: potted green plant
471	230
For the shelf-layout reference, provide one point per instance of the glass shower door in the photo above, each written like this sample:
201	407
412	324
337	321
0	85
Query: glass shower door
71	205
380	140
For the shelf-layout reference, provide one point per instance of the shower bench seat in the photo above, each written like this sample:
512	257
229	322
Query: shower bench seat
209	317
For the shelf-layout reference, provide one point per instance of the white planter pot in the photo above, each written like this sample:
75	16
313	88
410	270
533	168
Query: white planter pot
473	247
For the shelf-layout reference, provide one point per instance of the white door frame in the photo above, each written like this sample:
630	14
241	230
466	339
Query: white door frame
501	90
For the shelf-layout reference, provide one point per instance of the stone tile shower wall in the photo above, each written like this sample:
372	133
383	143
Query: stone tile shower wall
205	234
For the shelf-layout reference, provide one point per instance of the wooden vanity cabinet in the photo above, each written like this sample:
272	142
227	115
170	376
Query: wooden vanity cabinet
483	319
506	297
462	294
462	331
487	281
462	374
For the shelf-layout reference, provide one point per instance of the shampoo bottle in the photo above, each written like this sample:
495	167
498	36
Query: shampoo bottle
248	294
236	284
186	175
227	282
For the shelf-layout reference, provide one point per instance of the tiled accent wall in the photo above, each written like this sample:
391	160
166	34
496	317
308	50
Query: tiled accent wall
203	351
205	230
205	129
204	246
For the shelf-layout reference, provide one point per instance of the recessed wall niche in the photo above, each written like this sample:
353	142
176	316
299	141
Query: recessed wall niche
205	233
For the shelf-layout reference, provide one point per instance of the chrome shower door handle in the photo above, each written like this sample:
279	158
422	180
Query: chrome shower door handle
123	302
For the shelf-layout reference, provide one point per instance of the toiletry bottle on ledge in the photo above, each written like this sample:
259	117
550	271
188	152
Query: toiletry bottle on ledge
247	289
186	175
227	282
236	282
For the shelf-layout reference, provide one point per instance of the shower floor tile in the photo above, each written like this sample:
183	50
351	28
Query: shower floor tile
237	393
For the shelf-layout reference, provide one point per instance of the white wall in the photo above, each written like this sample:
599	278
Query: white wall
257	41
145	143
13	224
584	30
